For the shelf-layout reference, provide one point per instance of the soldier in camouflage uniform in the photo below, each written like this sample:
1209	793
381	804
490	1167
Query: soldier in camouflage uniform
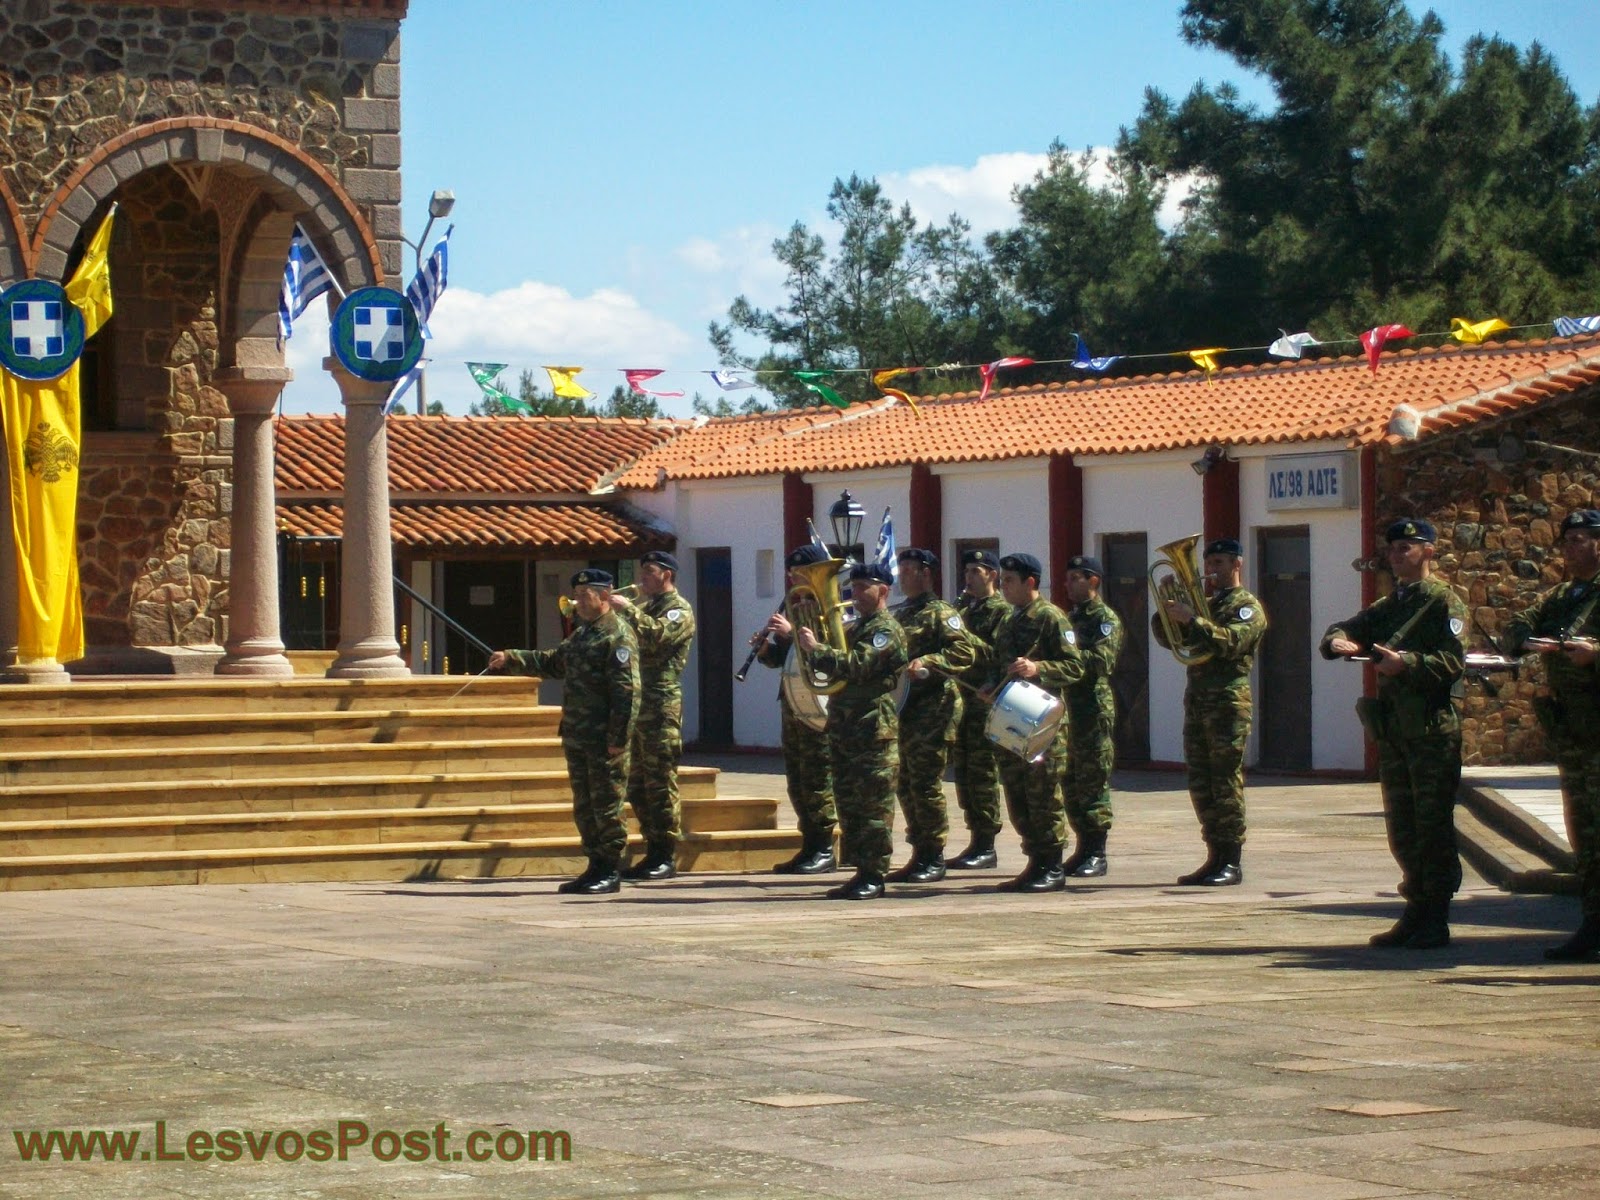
981	609
807	772
1217	707
1035	643
1564	628
664	625
1413	638
863	729
938	645
1092	717
599	661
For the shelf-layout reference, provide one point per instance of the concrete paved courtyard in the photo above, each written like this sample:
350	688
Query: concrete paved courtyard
740	1037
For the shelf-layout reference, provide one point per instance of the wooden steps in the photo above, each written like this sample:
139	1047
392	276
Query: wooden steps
1508	847
196	781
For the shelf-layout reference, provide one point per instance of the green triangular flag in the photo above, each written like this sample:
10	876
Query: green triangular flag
809	380
484	375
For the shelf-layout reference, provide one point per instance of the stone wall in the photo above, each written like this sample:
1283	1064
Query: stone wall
1498	502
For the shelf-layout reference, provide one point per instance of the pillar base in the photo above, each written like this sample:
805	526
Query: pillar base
256	666
376	659
39	671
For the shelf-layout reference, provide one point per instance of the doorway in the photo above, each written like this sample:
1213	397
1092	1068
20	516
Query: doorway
1283	581
1126	589
713	603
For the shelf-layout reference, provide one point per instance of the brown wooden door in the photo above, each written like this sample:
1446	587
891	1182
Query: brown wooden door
1283	707
1126	589
713	615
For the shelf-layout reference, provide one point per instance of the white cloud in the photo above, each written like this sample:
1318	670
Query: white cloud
736	263
981	193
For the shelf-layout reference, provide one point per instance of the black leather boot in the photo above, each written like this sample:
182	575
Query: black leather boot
1047	875
978	856
1088	861
1433	926
590	873
1193	878
606	880
1402	929
864	885
1583	946
1032	871
814	858
1227	871
659	862
926	866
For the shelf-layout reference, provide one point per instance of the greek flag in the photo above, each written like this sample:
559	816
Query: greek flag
1576	326
305	277
883	554
430	281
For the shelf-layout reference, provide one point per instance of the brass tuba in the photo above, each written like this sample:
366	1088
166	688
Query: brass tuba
1186	586
818	604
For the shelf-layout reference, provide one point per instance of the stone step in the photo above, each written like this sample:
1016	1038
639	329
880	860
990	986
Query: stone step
216	694
72	801
288	728
1530	836
729	851
198	830
1503	862
337	761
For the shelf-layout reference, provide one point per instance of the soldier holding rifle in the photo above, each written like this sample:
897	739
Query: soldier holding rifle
1413	639
1564	628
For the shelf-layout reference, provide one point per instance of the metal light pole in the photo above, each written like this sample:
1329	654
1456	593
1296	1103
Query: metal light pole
439	206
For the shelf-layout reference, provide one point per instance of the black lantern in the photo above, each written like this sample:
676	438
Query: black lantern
846	517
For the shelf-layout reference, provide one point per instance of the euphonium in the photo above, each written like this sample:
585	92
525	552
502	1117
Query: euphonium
818	604
568	606
1186	586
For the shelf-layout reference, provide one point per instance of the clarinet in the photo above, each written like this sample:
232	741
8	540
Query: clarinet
764	637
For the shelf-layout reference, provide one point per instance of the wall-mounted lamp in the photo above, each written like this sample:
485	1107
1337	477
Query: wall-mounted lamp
1212	456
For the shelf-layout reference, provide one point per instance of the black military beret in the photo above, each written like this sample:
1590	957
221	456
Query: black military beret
805	556
980	558
1086	562
917	555
1582	518
871	572
1225	546
1022	564
661	558
592	576
1411	529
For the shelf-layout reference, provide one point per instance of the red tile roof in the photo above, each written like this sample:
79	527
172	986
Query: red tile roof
580	529
1427	391
480	456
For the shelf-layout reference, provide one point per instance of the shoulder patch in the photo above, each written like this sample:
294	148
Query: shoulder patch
675	615
1457	625
1070	636
953	620
624	654
1246	613
1105	628
880	640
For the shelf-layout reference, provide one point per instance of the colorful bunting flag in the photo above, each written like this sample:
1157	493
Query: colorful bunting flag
881	380
811	381
563	383
1373	341
638	378
484	375
1290	345
731	381
883	554
1085	362
988	371
1206	360
1474	332
1576	326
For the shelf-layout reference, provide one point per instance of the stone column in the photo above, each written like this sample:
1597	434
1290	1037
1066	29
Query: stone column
255	646
367	646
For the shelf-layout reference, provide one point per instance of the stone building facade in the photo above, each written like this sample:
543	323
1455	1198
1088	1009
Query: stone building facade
214	128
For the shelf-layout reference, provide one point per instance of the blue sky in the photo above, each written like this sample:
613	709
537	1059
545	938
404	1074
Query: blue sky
621	168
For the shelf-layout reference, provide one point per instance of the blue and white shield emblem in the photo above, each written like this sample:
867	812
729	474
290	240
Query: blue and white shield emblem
375	334
41	331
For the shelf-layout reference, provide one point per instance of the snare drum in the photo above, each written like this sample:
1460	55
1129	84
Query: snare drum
1023	719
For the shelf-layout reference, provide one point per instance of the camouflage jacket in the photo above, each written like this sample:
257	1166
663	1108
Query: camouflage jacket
1431	617
1040	632
982	618
599	663
1231	631
1099	631
1568	610
874	656
664	627
935	631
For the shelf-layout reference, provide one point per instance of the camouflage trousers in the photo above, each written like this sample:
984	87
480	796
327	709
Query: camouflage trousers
1033	797
653	780
1420	777
864	775
1215	730
1579	764
924	752
976	771
598	782
809	779
1086	785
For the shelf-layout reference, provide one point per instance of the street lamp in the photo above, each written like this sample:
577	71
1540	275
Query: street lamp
846	517
439	206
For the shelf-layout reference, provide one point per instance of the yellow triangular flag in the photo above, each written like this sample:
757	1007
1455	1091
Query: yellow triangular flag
1206	359
562	383
1472	334
882	378
90	285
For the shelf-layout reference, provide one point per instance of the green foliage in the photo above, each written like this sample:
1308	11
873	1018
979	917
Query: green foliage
625	402
723	407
